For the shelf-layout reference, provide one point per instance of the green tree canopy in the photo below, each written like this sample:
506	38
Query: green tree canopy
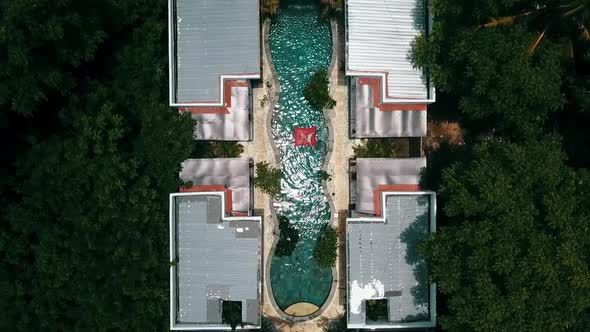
268	178
49	48
496	79
326	250
317	91
84	241
288	238
376	148
517	256
88	240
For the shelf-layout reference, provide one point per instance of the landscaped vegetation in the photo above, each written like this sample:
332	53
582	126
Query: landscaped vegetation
268	178
317	91
204	149
288	238
376	148
332	8
512	252
326	249
338	324
269	8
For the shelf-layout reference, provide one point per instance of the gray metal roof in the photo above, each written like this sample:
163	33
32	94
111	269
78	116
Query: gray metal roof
235	126
372	172
383	263
231	172
379	41
212	38
216	260
367	120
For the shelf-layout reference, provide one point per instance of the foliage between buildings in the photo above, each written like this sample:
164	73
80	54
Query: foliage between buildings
375	148
268	178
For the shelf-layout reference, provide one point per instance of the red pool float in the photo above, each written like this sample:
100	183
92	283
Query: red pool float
306	136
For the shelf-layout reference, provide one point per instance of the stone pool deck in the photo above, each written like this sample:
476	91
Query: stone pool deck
260	148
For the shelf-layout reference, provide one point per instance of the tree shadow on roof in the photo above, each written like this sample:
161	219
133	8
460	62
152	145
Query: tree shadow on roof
412	236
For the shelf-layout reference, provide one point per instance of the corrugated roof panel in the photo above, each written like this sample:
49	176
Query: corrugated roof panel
370	122
384	264
231	172
372	172
235	126
214	263
214	38
380	34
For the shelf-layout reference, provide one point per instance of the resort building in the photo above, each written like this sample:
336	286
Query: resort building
388	96
215	246
387	280
214	52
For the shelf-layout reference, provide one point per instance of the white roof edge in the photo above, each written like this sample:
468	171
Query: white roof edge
387	100
431	91
185	326
222	81
171	71
432	305
172	61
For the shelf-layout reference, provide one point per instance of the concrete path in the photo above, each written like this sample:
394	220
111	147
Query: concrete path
260	149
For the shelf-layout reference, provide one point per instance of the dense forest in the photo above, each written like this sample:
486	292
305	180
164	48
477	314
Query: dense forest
91	151
513	248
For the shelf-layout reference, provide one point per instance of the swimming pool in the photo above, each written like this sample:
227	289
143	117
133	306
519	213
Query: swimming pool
300	43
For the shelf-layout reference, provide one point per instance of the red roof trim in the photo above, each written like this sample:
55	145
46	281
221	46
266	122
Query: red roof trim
375	82
217	109
214	187
390	187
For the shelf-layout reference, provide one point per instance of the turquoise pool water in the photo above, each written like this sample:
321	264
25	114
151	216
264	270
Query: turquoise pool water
300	44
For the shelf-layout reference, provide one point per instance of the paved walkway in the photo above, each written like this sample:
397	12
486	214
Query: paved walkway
260	149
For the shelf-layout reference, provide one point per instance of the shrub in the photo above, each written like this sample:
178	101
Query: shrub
317	92
269	8
376	148
337	325
325	176
326	249
268	178
332	8
288	238
267	325
205	149
225	150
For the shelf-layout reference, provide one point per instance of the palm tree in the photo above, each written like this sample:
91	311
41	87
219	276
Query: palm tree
569	17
